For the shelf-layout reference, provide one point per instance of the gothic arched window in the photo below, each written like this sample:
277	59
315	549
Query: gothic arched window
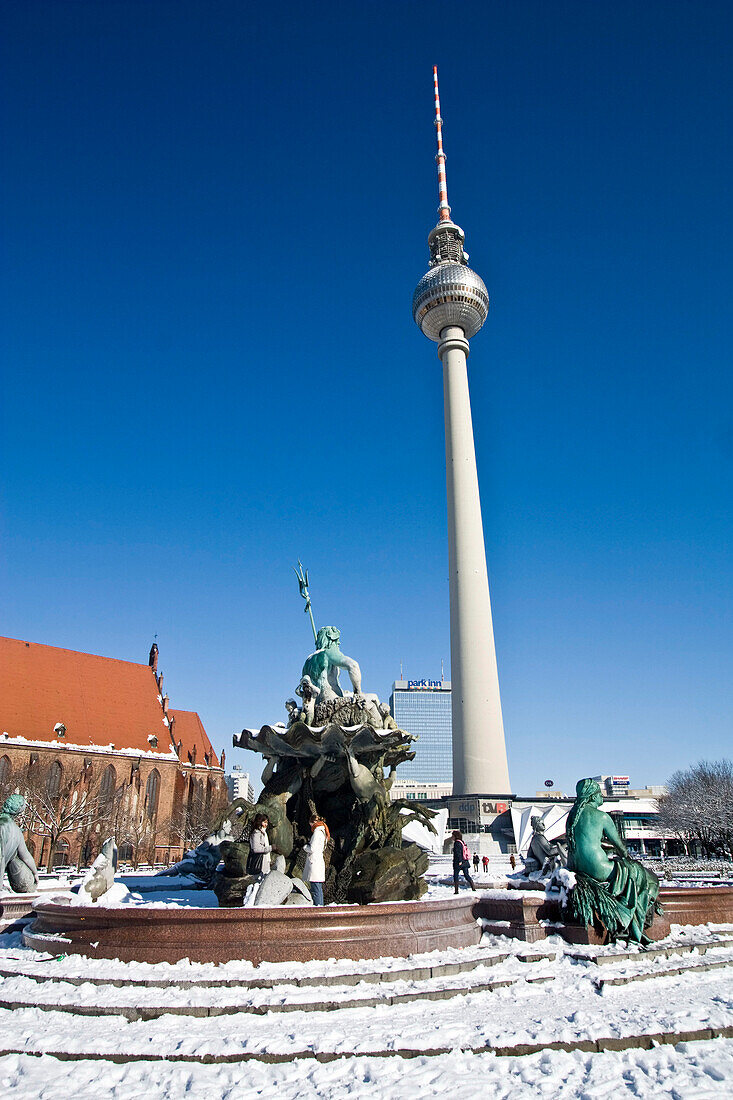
152	789
61	856
107	787
53	783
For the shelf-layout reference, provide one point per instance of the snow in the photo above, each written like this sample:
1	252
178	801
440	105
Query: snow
689	1071
372	1036
106	750
119	896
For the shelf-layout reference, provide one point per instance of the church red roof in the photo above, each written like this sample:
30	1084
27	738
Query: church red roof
100	700
189	729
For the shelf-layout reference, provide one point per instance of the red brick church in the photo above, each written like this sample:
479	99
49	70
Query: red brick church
95	746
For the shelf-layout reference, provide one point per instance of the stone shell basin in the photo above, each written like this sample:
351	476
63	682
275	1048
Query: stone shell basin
282	934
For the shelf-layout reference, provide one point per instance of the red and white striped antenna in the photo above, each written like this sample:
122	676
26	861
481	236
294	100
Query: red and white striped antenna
443	207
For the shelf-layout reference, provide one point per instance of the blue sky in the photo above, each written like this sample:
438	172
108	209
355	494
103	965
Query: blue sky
215	217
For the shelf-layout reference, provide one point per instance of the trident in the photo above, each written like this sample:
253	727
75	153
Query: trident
303	585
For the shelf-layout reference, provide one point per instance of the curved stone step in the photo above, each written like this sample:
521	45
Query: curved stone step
285	997
644	1041
480	1022
663	972
414	970
425	990
701	946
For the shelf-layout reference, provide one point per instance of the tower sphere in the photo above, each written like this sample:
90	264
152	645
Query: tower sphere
450	294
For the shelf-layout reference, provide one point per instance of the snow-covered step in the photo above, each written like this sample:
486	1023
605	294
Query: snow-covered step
611	955
68	969
720	959
138	1002
201	1000
568	1013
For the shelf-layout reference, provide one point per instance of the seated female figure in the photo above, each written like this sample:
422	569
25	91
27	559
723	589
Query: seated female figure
620	892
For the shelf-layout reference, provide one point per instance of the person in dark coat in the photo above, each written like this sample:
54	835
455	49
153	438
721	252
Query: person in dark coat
476	862
460	861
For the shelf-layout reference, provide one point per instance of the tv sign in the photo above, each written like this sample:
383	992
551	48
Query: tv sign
494	807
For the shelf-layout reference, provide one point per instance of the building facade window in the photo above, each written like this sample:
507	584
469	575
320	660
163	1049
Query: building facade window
5	770
61	853
53	782
152	790
107	787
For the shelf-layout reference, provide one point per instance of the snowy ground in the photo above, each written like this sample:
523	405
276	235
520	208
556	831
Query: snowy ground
375	1024
689	1071
554	998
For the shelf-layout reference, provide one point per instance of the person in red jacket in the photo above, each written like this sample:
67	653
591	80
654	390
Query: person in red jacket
485	861
461	863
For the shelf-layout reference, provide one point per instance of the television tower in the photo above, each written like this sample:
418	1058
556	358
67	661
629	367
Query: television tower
450	305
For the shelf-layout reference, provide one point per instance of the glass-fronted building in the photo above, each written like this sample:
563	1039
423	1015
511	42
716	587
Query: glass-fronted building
423	707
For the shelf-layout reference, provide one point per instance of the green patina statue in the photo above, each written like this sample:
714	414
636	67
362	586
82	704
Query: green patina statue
618	892
322	667
334	761
15	859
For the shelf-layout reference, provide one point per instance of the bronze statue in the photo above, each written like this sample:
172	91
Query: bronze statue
617	891
336	759
544	855
15	859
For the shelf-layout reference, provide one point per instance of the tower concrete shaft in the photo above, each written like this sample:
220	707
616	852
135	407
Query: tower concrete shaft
450	304
479	749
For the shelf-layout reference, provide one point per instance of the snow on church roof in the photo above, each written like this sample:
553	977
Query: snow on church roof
97	701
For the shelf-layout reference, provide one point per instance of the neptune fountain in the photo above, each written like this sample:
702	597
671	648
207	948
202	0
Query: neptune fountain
336	758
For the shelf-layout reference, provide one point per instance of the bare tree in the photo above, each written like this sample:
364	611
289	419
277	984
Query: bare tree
133	825
52	812
190	824
698	806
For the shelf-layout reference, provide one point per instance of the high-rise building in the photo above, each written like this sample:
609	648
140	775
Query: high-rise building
423	708
450	305
239	784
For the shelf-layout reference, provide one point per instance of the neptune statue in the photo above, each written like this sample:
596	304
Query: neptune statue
335	759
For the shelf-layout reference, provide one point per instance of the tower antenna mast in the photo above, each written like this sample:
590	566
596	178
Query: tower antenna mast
450	304
443	207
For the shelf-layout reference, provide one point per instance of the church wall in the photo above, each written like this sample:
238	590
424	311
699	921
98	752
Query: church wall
85	768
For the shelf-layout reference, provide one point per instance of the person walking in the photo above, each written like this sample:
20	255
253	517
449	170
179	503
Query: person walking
314	871
258	860
461	856
476	862
513	861
485	861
